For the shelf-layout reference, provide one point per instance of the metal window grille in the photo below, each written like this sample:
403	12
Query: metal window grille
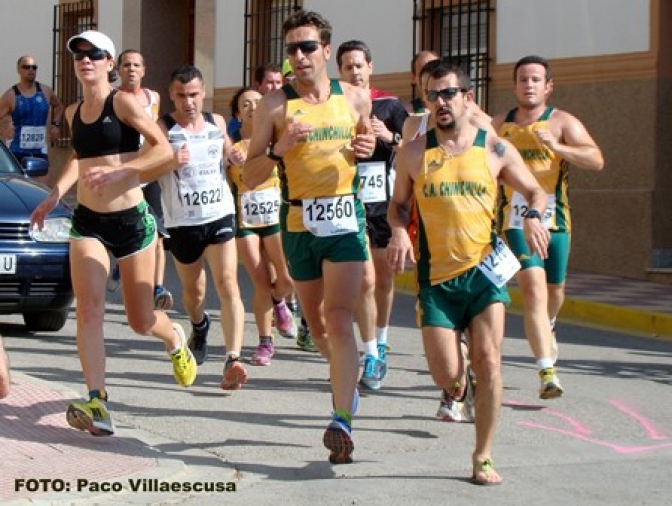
457	29
69	19
263	33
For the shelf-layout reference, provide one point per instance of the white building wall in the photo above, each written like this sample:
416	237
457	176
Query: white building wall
571	28
26	27
385	25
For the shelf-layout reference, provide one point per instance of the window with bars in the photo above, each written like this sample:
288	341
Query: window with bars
458	29
69	19
263	33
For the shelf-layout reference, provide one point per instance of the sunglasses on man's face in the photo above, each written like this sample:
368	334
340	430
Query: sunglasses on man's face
29	67
94	54
306	47
446	93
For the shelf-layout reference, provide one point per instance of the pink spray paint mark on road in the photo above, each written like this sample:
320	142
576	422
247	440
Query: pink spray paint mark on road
648	426
581	432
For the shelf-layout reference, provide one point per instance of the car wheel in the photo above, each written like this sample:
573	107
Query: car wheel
45	321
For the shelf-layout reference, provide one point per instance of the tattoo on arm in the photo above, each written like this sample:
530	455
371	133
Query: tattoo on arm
499	149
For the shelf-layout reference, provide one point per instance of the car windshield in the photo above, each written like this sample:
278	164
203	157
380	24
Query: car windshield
8	164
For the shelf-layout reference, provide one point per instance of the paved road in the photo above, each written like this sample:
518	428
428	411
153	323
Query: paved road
608	441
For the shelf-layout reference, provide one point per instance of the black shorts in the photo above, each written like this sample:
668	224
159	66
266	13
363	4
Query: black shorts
124	233
187	244
378	230
152	193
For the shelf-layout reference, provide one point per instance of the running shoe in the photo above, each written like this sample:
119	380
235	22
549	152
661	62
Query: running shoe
304	340
371	374
338	440
284	320
450	410
382	357
114	281
198	341
184	364
91	416
163	299
550	385
235	375
263	354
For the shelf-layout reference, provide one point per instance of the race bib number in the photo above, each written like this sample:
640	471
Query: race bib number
519	206
201	202
32	137
329	216
371	182
260	208
500	265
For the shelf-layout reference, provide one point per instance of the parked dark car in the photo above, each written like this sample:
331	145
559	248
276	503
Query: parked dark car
34	265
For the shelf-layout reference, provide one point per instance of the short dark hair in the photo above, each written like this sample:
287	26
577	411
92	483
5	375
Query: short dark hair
437	69
260	71
308	18
417	55
185	74
532	59
233	104
353	45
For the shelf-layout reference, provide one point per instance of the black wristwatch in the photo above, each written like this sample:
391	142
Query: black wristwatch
396	139
532	213
271	155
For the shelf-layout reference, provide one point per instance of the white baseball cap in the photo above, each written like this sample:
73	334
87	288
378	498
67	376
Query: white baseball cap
95	38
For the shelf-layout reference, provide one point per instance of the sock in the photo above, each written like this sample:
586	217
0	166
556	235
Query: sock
98	394
381	335
371	348
553	323
293	306
231	357
304	322
276	301
265	340
344	415
203	323
544	363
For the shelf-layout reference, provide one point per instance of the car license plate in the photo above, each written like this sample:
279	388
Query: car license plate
7	264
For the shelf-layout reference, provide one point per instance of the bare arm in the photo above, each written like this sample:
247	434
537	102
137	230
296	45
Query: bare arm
409	157
258	166
6	106
573	142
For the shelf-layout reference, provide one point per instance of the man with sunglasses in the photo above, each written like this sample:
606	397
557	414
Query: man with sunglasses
28	103
376	176
549	140
315	129
462	267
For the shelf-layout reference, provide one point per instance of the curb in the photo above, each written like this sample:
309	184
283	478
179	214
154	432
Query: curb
585	312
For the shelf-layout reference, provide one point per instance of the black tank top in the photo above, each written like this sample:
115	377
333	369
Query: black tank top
105	136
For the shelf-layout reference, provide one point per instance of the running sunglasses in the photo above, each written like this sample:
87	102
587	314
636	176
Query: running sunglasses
446	93
95	54
29	67
306	47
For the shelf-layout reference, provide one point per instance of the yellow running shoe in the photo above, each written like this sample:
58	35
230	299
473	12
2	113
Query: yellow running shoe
184	364
550	384
91	416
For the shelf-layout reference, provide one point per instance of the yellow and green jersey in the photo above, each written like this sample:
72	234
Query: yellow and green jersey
260	202
323	165
455	197
550	170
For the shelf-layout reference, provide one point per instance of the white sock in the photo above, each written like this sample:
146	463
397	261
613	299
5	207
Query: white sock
544	363
381	335
552	323
371	348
